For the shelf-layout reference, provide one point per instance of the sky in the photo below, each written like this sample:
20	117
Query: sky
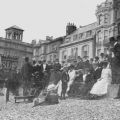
41	18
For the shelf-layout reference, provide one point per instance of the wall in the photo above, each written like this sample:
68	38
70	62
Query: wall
79	46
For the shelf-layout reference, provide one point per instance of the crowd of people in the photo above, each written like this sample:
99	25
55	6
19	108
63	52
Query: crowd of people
94	76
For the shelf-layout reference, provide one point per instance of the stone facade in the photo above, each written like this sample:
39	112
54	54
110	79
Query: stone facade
39	52
92	39
116	6
53	48
81	42
12	49
47	49
106	26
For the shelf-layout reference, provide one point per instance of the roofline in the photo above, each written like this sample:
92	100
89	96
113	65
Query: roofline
18	42
14	28
89	24
79	28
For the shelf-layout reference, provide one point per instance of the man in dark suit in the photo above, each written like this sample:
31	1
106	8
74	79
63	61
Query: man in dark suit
79	64
17	81
45	72
50	67
86	62
79	67
115	62
44	66
56	73
97	72
40	70
57	65
26	75
64	79
115	45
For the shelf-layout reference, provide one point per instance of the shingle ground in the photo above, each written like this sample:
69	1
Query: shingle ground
69	109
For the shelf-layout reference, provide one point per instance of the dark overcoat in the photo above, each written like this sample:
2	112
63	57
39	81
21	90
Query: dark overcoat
115	67
26	72
55	76
115	64
97	74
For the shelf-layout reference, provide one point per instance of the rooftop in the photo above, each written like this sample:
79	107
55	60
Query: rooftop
15	27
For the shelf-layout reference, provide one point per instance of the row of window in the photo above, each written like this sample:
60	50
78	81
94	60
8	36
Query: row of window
74	52
99	51
82	35
79	36
43	49
52	48
52	57
11	45
11	53
14	36
107	34
17	46
103	19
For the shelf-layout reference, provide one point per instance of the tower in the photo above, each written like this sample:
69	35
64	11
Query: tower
14	33
116	6
106	27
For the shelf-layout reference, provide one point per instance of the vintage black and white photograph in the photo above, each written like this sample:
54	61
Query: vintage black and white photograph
60	60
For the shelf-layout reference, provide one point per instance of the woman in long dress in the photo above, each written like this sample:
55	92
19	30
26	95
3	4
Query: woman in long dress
100	88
